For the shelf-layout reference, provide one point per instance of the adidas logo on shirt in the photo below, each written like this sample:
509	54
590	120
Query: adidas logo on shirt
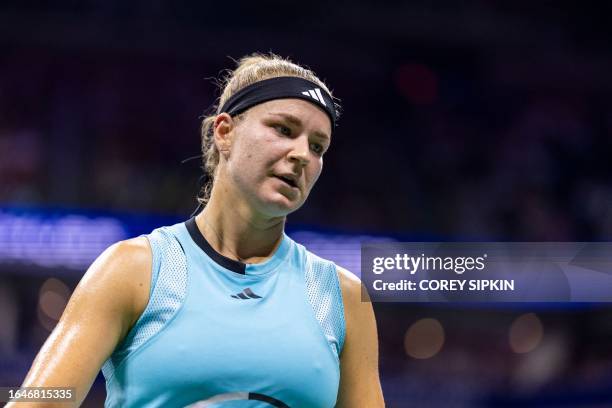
246	294
315	94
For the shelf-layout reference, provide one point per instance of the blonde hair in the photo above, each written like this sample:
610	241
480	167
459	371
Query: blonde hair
251	68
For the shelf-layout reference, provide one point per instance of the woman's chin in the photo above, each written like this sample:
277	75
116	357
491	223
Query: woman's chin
279	205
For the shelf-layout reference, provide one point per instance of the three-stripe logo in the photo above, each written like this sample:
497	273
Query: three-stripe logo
315	94
246	294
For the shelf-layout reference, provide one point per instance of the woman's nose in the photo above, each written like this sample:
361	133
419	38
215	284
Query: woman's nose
299	151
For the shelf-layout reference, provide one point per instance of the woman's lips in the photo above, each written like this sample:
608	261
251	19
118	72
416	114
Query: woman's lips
288	181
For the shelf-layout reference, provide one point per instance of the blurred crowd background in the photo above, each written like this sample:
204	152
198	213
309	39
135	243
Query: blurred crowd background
480	120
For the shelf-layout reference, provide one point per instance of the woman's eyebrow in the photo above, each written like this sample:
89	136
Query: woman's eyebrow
297	122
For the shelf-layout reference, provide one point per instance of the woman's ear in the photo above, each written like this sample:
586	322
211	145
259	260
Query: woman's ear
223	133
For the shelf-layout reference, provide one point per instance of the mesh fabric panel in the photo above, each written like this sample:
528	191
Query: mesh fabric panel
168	290
325	297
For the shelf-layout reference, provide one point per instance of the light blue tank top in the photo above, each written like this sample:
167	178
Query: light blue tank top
220	333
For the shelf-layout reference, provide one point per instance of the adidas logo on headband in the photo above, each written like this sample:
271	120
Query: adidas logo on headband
315	94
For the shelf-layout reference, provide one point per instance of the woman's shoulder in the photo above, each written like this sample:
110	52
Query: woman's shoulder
350	284
123	273
133	252
357	305
124	261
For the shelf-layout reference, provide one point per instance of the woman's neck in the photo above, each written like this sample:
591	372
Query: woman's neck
238	232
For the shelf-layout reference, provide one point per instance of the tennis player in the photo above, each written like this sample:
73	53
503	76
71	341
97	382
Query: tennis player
225	310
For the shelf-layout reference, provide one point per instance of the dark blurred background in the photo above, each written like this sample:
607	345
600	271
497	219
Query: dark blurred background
480	120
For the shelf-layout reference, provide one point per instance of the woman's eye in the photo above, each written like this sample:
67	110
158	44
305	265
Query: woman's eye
317	148
284	130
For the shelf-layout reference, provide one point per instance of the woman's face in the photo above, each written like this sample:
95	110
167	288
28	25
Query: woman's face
276	154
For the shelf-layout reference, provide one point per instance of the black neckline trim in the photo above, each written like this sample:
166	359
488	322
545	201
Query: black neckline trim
198	238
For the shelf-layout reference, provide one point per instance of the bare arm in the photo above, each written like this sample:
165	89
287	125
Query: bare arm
359	378
104	306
